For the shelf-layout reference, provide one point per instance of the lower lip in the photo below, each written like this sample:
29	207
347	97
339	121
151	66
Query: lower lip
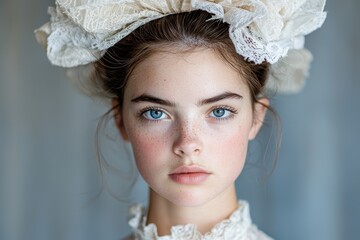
189	178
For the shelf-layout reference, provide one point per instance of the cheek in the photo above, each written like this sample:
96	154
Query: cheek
235	153
230	150
148	149
234	147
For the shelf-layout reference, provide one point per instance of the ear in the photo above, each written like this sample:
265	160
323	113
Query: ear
118	118
260	108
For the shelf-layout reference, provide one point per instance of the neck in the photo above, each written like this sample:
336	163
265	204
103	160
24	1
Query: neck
165	214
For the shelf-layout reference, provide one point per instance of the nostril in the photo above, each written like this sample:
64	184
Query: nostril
187	142
187	149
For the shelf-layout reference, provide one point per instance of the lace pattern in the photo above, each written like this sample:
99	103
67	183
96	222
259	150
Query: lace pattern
237	227
79	32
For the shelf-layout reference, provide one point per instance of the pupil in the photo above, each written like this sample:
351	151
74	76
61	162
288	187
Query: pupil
219	112
155	113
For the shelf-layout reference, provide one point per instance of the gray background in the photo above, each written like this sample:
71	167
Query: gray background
47	156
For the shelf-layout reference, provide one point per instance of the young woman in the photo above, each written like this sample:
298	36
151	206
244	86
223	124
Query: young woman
187	83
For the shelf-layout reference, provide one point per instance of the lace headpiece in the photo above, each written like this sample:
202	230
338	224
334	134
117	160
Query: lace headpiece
80	31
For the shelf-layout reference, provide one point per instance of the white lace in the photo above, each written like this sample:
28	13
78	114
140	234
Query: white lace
80	31
237	227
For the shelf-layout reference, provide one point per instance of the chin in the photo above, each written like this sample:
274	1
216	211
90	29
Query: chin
186	198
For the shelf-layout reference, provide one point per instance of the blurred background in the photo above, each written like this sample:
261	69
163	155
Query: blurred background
48	168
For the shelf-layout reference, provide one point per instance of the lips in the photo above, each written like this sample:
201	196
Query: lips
189	175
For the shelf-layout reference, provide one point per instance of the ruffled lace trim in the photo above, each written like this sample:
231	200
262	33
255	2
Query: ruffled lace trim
237	227
79	32
261	30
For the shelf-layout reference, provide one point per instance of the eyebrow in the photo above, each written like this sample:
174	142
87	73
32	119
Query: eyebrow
152	99
225	95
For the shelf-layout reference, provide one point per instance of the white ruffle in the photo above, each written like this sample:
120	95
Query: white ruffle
289	73
80	31
237	227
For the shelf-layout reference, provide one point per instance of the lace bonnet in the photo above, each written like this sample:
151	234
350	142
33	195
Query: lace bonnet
80	31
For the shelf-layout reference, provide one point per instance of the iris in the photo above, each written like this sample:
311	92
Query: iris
154	114
219	112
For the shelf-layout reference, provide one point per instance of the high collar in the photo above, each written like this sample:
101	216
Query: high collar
237	227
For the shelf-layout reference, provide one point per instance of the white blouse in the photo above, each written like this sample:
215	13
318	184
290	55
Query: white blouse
237	227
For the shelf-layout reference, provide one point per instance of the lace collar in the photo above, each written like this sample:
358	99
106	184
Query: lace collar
237	227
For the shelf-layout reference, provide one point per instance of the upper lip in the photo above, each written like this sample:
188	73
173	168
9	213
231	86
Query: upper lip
189	169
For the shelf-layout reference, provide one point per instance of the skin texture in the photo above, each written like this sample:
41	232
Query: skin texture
189	132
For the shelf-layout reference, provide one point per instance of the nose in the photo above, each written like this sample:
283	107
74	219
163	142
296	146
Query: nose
187	142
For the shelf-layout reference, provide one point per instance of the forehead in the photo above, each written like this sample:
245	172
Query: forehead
200	72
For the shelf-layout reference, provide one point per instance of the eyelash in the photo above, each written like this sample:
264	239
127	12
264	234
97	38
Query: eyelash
141	114
232	111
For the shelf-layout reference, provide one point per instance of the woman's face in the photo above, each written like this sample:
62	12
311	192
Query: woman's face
188	117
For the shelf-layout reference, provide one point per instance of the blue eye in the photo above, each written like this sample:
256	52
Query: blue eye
154	114
221	113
